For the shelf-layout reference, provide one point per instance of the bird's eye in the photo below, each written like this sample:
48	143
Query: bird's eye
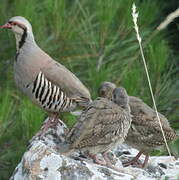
102	93
12	23
114	96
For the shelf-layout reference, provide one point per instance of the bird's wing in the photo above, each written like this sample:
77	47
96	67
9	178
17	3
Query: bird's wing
65	79
145	124
102	123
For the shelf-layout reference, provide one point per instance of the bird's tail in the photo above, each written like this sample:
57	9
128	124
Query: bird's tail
83	101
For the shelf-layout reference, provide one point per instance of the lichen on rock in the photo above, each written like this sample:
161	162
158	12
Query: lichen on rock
42	161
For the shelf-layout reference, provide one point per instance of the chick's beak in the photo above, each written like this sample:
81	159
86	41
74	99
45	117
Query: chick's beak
6	26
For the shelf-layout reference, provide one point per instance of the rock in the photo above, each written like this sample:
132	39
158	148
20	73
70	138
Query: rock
42	161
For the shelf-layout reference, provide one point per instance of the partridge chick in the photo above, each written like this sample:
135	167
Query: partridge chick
145	132
102	126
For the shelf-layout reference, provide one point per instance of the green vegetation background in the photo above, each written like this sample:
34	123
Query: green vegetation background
96	41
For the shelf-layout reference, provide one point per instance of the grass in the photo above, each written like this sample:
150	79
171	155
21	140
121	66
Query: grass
96	41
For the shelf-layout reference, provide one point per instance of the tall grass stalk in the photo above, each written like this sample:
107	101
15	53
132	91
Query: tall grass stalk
95	40
135	17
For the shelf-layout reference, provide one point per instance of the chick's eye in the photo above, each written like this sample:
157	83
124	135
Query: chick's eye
102	93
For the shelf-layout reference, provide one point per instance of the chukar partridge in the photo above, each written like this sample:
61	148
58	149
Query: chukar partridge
102	126
145	132
46	82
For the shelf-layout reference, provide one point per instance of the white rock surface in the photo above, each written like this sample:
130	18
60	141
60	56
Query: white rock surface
42	161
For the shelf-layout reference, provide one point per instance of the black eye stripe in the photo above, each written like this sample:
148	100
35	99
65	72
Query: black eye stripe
16	24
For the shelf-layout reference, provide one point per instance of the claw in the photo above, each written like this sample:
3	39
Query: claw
97	160
135	162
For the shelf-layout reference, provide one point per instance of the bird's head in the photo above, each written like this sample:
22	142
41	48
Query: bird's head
21	28
120	97
18	25
105	90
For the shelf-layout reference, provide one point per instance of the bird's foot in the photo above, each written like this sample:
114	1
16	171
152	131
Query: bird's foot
100	162
97	160
132	163
136	163
110	165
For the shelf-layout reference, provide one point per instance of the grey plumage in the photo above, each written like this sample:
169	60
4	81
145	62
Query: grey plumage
50	96
145	132
46	82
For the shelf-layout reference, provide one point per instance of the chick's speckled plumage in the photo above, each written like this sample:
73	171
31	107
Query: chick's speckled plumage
100	127
145	132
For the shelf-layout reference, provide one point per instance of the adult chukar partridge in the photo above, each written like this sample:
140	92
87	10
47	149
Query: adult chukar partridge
145	132
102	126
46	82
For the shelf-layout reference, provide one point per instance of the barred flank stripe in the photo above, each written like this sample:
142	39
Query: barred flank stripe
46	92
39	87
63	101
60	101
35	84
50	96
54	94
42	91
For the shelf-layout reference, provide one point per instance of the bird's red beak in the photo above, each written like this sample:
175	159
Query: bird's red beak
6	26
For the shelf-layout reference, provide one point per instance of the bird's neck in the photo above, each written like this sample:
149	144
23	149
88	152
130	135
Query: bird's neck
24	41
126	107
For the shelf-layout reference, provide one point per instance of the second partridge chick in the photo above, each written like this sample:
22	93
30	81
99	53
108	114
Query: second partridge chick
145	132
102	126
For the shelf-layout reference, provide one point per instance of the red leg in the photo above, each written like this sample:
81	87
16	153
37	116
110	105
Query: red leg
110	165
145	161
106	158
134	160
53	119
98	161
